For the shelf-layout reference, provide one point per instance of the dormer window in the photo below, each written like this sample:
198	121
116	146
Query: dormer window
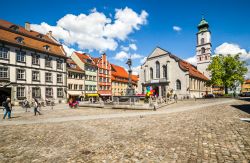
40	36
89	61
19	40
14	27
72	65
46	47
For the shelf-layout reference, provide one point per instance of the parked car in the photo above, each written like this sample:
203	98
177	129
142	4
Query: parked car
245	94
209	96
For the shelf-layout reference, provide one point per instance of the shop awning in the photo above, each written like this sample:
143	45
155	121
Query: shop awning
92	94
105	94
72	93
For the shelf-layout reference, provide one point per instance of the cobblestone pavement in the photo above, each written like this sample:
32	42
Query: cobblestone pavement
210	134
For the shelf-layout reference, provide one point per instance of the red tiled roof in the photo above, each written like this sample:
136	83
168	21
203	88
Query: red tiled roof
247	81
121	72
31	39
71	62
192	70
83	57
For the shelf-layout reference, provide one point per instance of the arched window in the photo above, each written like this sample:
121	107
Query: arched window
151	73
205	57
178	84
157	64
200	58
202	41
164	71
202	50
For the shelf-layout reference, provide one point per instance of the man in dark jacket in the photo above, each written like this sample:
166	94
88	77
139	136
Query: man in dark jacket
8	108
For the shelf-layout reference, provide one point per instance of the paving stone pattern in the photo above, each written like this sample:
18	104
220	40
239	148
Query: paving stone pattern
210	134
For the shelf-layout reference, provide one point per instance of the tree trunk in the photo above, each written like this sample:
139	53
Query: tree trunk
226	89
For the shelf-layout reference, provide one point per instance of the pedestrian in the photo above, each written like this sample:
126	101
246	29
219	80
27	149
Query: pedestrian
36	105
7	107
175	98
25	104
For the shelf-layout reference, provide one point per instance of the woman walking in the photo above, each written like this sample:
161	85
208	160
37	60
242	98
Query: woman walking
7	108
36	107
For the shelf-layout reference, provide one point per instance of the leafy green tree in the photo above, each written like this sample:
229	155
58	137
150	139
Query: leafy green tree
226	71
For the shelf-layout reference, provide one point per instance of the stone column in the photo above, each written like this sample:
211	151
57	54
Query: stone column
168	67
159	91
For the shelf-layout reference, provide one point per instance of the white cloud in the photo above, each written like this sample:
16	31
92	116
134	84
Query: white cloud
133	46
124	48
192	60
177	28
233	49
143	60
121	56
136	56
95	31
136	70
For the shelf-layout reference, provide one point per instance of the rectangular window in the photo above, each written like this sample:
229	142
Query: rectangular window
59	78
59	92
105	71
4	52
90	77
36	92
35	76
49	92
20	74
86	87
48	62
20	92
48	77
80	87
101	71
90	88
75	86
35	59
86	77
94	78
70	86
59	64
100	79
20	56
4	72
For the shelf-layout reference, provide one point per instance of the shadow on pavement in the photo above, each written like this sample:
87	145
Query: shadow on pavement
243	107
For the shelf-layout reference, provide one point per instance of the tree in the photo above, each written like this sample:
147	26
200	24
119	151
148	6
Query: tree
226	71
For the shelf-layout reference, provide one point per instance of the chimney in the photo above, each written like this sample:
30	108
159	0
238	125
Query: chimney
27	26
49	33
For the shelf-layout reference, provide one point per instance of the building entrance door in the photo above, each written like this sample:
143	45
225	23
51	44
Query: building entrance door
4	93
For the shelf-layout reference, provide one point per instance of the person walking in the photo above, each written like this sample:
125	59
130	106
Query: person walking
36	105
7	107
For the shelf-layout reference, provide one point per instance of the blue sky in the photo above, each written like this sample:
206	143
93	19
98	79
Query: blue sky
228	20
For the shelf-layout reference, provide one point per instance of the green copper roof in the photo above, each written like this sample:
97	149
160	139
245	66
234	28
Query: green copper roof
203	22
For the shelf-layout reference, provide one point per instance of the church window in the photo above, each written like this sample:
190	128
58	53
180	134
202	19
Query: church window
205	57
202	41
202	50
151	73
157	69
200	58
178	84
164	71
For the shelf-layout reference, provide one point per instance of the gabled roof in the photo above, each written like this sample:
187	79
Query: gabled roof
75	68
84	57
157	52
31	39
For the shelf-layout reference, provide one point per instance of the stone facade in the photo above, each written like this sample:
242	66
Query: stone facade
168	74
32	65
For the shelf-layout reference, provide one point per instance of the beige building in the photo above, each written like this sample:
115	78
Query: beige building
32	65
165	73
75	80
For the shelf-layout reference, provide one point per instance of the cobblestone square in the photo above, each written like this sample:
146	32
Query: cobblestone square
205	131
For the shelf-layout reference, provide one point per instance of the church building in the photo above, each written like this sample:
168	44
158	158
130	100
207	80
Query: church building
165	73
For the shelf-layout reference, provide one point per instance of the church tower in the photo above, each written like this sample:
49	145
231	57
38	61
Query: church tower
203	47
